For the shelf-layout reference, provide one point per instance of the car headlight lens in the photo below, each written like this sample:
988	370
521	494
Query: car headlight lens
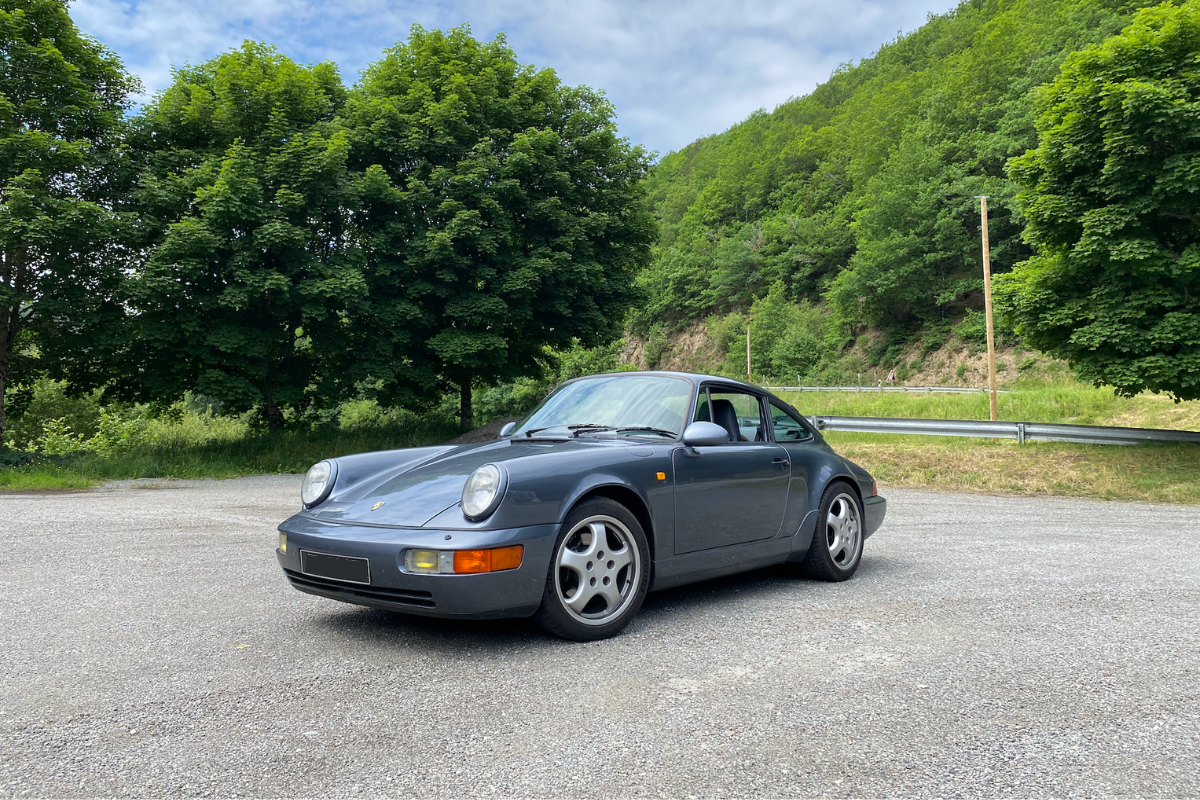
317	483
482	493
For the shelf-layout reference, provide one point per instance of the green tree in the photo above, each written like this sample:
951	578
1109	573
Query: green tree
787	340
862	192
1111	196
502	213
62	100
253	262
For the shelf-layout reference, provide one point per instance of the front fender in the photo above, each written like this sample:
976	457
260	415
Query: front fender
542	491
599	480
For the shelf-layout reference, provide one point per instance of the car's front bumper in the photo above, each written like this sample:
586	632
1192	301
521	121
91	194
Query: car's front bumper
875	509
511	593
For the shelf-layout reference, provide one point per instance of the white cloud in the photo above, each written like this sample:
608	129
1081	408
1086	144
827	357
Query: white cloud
675	71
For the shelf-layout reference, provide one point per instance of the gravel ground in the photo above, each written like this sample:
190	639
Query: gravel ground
988	645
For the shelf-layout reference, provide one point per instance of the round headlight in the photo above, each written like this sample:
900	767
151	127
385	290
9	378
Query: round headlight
482	492
317	483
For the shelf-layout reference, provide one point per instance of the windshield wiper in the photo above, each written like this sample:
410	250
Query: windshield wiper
587	426
646	429
529	433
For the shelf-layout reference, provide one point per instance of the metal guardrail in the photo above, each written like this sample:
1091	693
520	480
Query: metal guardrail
881	388
1021	431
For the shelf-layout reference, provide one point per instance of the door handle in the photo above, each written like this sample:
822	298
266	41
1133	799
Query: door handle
781	462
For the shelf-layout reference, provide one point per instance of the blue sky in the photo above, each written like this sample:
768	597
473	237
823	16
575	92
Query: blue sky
676	71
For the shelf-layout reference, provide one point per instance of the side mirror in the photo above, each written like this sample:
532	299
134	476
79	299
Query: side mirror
704	434
507	429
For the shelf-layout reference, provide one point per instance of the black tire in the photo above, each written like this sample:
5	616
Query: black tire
608	580
828	559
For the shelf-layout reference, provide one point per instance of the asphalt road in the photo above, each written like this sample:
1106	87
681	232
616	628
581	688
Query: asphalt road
150	646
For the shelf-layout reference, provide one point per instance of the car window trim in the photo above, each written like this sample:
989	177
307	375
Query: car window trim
707	388
797	418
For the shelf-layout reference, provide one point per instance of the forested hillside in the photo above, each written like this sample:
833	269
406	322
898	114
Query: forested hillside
861	196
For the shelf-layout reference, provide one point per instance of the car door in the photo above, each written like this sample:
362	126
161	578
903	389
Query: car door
733	492
789	431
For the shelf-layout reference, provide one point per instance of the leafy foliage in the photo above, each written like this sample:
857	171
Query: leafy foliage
1110	195
862	193
252	263
62	99
501	212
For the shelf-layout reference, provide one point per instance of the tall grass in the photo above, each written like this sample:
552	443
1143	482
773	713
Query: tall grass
207	446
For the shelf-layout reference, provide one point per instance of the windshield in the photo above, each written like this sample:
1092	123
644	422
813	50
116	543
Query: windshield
613	405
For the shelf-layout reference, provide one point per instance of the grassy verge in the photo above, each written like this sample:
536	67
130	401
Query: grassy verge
203	446
227	454
1154	473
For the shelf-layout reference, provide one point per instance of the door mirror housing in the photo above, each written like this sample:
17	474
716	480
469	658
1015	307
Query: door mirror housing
704	434
506	430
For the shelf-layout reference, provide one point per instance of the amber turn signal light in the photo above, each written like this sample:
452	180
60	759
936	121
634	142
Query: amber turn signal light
494	560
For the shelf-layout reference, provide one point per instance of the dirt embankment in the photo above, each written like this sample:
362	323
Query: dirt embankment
692	349
688	350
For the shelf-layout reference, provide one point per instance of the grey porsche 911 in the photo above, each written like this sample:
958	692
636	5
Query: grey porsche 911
614	486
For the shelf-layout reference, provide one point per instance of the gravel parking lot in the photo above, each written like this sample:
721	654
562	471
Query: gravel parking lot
990	645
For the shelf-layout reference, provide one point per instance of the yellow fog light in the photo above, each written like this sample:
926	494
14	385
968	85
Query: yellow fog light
422	560
283	542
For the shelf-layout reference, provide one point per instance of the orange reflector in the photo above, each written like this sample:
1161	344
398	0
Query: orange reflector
874	489
662	476
507	557
501	558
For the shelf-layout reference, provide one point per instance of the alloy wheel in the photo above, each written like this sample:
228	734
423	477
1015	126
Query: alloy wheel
843	530
597	569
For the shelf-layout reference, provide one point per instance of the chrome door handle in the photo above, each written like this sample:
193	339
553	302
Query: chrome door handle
782	462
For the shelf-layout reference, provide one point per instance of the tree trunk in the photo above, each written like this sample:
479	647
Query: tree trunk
466	415
274	414
8	338
4	357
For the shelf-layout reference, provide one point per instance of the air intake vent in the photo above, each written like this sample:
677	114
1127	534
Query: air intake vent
411	597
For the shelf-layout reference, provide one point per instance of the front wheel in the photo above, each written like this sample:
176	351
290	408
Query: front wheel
599	573
836	549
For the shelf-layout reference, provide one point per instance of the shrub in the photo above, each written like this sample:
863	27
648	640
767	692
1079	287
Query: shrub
116	435
58	439
46	401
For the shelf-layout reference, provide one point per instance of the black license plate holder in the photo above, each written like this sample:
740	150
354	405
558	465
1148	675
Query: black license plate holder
347	569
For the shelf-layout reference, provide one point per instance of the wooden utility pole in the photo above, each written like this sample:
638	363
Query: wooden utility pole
987	306
749	373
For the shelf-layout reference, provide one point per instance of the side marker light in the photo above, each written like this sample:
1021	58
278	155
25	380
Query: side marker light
662	476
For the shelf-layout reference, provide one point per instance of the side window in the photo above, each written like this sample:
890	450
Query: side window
786	427
702	413
739	413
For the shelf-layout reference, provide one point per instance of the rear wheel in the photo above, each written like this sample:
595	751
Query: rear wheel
836	549
599	573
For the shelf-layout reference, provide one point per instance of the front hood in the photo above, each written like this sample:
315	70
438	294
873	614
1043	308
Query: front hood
416	495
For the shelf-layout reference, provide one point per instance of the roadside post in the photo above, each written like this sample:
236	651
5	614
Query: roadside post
987	306
749	372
